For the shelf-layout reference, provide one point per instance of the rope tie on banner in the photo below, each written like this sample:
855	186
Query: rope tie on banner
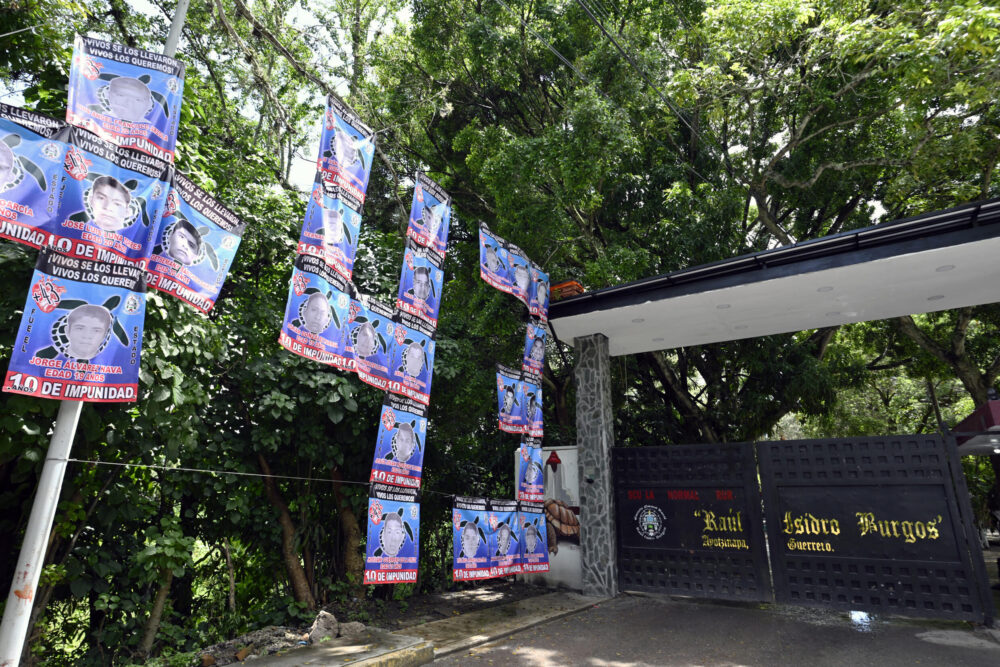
235	473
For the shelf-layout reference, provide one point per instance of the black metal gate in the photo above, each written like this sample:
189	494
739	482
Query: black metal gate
873	524
689	521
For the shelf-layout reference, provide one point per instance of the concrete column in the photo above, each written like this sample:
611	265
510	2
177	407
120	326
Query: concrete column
595	436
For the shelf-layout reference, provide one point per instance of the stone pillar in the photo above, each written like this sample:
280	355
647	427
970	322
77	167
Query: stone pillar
595	437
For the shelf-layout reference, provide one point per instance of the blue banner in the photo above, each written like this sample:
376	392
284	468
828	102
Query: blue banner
420	285
534	348
531	477
493	262
519	272
332	227
510	400
369	341
80	337
112	201
128	96
402	439
470	537
346	149
195	245
531	392
505	546
393	545
430	217
316	313
538	304
412	366
32	149
534	538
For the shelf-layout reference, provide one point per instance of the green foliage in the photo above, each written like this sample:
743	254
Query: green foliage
783	121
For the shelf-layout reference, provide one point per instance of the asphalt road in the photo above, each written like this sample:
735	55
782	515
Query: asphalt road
632	631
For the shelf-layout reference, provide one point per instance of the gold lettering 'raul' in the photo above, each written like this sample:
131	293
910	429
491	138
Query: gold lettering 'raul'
908	531
807	524
729	523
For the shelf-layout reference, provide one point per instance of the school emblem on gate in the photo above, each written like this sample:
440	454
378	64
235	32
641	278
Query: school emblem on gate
650	522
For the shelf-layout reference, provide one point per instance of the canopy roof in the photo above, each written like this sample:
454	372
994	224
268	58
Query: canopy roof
936	261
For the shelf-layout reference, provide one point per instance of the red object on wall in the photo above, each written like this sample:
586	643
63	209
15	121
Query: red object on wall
553	461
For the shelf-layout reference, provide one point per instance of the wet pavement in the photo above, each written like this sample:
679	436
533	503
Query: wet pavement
635	631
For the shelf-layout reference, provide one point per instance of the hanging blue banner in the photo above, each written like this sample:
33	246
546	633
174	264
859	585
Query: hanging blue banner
402	438
510	400
538	304
531	392
412	367
534	348
346	149
534	538
80	337
316	313
111	203
430	217
369	341
393	545
505	548
420	284
332	227
519	272
32	149
470	537
128	96
531	477
195	245
493	262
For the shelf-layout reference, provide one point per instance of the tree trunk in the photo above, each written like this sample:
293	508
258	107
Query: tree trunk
232	574
153	623
353	561
296	575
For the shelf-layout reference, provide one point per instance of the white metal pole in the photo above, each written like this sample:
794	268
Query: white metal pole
20	600
29	562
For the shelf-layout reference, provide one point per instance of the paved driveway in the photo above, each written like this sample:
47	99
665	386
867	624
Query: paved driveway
633	631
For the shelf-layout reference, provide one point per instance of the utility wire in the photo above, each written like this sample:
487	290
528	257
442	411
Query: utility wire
235	473
643	74
596	87
551	48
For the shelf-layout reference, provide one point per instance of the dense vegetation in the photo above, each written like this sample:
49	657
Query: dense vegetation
681	132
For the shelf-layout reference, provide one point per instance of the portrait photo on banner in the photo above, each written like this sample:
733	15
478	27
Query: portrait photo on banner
316	313
430	217
470	537
401	442
332	226
32	149
126	95
194	246
80	336
393	543
112	201
420	284
347	148
369	340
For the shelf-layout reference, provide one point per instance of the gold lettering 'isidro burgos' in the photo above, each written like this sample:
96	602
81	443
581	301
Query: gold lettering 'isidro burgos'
868	525
714	523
